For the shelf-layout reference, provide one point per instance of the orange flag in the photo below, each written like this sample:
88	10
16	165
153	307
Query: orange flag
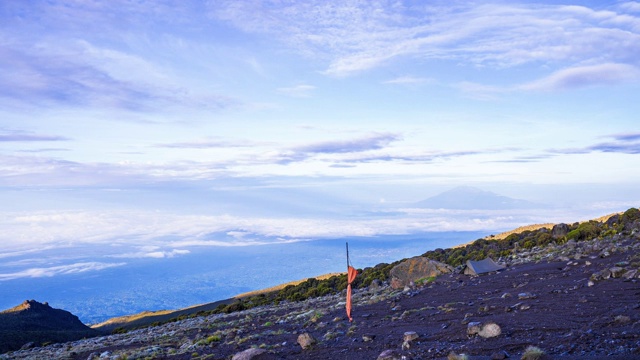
351	275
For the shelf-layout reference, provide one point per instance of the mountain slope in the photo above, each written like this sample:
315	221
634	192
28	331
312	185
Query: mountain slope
39	323
470	198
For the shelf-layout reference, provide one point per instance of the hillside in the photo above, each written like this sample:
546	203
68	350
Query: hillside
570	290
37	323
147	318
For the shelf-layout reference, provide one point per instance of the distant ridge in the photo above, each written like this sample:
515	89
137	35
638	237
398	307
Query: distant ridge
540	226
38	323
471	198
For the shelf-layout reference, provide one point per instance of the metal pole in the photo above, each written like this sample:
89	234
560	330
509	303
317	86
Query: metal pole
348	263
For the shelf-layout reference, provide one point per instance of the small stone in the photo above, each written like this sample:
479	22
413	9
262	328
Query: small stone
389	355
525	307
410	336
500	355
490	330
616	271
249	354
306	340
630	274
473	327
454	356
622	319
526	295
590	283
368	338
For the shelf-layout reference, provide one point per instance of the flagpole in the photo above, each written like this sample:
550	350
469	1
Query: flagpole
348	263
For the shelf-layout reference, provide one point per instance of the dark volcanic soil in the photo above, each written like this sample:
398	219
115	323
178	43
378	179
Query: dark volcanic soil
548	304
564	316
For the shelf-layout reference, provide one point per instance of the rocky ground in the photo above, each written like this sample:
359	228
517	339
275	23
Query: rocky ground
576	301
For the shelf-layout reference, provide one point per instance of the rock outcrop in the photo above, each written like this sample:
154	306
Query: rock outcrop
416	268
559	231
38	323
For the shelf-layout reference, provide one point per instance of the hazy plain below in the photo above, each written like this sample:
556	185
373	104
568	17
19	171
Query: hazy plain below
209	273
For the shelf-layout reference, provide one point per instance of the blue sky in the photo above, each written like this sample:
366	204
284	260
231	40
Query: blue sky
160	125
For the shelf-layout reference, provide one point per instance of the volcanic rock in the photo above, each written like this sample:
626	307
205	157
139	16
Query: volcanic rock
559	231
306	340
252	354
414	269
389	355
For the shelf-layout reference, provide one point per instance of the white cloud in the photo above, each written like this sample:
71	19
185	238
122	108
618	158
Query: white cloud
408	80
298	91
632	6
165	235
153	254
355	37
58	270
584	76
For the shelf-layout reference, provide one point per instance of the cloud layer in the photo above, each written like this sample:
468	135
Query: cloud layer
355	37
75	268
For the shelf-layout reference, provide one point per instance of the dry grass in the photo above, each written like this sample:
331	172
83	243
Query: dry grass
533	353
282	286
535	227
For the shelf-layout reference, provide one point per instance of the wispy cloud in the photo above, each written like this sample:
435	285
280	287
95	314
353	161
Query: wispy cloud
355	37
583	76
75	268
416	157
70	65
570	78
298	91
619	143
211	142
408	80
372	142
21	136
626	137
632	6
157	254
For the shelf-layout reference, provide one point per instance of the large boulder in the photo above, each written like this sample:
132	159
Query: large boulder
414	269
559	231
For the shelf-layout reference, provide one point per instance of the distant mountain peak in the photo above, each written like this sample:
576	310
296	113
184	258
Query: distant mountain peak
470	198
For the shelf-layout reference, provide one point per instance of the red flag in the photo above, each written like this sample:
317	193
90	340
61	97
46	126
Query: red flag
351	275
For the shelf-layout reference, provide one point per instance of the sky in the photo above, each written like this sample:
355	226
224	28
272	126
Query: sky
145	129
